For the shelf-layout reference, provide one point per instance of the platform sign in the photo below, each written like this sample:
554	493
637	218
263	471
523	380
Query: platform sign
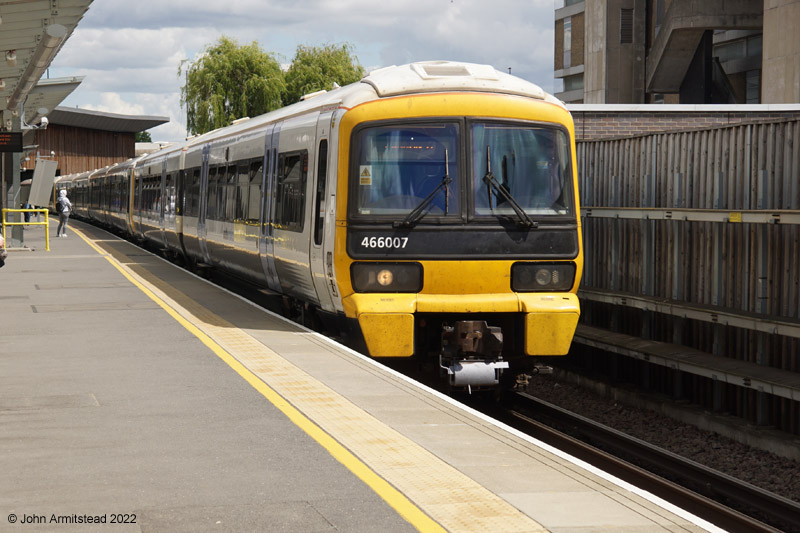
44	174
10	141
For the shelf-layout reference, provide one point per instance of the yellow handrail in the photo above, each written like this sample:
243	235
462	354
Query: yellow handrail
46	223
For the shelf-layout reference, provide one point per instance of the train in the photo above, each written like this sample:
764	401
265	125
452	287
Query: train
430	211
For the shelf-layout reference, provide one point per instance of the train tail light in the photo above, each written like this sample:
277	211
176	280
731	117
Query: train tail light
542	277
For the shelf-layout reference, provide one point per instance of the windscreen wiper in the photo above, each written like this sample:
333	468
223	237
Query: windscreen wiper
418	212
492	183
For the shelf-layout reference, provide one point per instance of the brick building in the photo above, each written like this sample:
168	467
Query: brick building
608	121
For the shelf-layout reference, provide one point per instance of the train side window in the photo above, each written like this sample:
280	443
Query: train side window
242	191
169	192
230	193
211	201
193	193
322	177
291	191
222	193
254	195
137	191
124	191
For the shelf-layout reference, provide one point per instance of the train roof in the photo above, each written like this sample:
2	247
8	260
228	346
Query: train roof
438	76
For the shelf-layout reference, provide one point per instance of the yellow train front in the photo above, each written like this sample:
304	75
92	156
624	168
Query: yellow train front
458	230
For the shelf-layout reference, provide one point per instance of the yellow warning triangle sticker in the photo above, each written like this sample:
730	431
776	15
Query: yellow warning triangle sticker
365	173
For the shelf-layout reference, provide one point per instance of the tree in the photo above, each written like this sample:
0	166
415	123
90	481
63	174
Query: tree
315	68
227	82
143	137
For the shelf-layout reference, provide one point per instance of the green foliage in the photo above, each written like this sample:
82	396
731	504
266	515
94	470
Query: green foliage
228	82
143	137
317	67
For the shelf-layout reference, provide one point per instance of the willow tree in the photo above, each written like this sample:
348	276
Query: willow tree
318	67
228	81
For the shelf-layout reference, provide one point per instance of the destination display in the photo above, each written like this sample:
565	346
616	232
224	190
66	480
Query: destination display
10	141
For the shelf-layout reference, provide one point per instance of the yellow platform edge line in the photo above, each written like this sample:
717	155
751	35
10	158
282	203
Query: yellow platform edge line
394	498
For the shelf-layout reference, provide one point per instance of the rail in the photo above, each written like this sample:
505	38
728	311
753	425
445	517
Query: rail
763	323
46	223
752	216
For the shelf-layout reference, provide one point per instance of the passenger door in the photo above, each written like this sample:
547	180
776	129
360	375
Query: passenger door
201	219
266	245
318	212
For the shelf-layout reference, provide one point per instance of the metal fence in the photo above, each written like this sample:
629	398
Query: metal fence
703	226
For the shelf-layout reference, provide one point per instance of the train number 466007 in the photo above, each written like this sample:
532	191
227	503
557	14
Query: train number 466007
384	242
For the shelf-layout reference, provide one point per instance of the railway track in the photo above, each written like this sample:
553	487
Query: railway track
716	497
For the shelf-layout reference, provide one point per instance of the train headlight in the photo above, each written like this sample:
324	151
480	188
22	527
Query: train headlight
533	277
386	277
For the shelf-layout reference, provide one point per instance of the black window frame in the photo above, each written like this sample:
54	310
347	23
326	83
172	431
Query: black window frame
466	215
474	218
455	217
290	216
321	185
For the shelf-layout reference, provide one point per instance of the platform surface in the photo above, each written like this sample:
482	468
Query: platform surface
129	387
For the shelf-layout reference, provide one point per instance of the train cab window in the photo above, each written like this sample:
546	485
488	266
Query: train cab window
291	190
322	176
529	163
403	167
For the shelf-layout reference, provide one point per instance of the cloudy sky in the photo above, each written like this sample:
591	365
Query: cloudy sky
129	50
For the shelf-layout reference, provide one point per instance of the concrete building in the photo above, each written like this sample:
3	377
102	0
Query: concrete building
678	51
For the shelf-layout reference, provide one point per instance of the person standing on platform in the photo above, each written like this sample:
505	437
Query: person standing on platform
64	208
3	254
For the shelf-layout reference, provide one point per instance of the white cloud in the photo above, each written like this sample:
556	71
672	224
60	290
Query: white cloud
132	48
113	103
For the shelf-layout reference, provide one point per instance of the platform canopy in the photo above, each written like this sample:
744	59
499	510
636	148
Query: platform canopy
31	34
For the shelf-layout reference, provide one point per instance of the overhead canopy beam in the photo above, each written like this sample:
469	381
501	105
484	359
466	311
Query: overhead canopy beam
42	57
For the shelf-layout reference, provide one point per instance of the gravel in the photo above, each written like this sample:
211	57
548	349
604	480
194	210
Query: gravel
760	468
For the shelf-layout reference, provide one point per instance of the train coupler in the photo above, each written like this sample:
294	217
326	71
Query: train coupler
471	354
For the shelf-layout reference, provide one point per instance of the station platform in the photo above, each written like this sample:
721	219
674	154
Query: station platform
134	391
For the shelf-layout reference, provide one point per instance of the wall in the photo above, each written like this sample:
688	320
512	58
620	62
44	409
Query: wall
780	70
735	248
611	121
80	149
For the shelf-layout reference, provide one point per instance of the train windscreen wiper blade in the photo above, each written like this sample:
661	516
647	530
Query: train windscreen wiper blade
418	212
499	190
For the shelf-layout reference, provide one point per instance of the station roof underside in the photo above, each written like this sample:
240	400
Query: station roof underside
99	120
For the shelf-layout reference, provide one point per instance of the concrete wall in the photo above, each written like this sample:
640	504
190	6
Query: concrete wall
614	70
594	77
780	75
